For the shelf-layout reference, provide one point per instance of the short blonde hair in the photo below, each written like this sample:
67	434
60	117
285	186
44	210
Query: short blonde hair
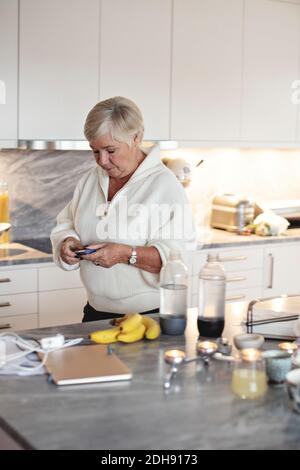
118	116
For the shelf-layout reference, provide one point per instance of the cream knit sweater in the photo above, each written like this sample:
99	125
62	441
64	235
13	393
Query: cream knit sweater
123	288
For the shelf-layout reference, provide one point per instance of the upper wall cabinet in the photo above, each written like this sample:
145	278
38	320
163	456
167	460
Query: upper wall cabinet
135	58
206	72
271	60
59	66
8	69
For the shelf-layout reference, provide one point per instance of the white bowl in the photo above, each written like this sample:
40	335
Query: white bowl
248	340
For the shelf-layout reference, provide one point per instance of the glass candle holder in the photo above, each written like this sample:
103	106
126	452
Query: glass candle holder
249	379
288	347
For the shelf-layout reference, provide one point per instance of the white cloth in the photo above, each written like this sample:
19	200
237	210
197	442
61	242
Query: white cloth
124	288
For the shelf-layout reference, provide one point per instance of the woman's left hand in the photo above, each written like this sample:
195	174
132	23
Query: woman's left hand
108	254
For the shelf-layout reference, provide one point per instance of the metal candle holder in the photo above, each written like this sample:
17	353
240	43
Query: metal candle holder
177	357
206	349
174	357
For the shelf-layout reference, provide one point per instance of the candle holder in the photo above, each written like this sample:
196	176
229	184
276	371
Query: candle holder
206	349
174	357
288	347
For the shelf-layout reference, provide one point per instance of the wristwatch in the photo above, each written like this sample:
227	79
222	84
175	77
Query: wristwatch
133	257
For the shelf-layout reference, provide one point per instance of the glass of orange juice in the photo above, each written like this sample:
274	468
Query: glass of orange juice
4	209
249	379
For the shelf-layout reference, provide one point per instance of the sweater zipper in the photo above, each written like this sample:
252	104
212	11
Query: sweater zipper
109	203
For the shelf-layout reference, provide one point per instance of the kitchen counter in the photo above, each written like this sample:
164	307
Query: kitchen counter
39	250
17	253
199	412
215	238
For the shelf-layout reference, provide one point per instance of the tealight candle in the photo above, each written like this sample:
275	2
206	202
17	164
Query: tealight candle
174	356
291	348
206	349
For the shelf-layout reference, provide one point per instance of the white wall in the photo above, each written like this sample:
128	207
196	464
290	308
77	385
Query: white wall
258	174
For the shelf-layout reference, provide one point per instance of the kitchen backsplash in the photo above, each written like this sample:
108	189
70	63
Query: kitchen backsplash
42	182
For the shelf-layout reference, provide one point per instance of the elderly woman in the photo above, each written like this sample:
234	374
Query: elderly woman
115	210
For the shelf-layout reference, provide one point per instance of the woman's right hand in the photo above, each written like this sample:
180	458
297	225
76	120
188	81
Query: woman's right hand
68	248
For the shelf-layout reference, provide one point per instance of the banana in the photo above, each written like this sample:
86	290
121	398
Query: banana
133	335
152	327
133	321
105	336
118	321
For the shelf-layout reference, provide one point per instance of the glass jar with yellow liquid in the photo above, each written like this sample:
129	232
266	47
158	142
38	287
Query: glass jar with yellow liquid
4	209
249	379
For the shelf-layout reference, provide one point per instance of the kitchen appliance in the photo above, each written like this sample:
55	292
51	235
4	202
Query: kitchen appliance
232	212
181	169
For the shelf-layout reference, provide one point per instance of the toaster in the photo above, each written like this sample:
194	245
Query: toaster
231	212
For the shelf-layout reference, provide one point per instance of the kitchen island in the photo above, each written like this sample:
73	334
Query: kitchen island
198	412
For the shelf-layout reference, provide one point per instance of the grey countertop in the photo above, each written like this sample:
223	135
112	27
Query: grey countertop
39	250
17	253
199	412
215	238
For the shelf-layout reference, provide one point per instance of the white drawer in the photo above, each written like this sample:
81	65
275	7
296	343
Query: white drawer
241	259
237	259
236	280
61	307
244	279
23	322
18	304
235	295
54	278
240	295
18	280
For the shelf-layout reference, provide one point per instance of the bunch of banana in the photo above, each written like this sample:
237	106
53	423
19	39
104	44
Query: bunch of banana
128	329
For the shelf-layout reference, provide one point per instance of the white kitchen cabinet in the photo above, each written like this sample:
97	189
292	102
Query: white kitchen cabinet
41	294
16	281
206	69
18	304
281	270
8	69
59	67
244	272
135	58
297	2
54	278
61	307
19	322
271	64
61	296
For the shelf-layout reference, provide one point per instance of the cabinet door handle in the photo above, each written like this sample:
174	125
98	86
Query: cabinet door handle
5	279
235	297
4	326
236	279
5	304
271	272
233	258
